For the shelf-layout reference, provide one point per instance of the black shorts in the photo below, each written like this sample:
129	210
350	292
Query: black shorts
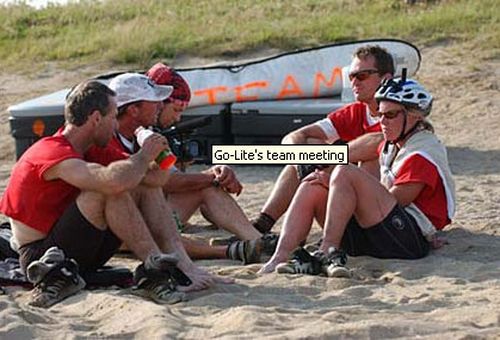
397	236
79	240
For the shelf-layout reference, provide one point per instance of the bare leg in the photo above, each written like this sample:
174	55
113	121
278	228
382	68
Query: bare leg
282	194
158	217
198	250
309	202
121	215
218	207
372	167
353	192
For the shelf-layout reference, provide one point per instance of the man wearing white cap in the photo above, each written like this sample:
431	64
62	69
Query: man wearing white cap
135	109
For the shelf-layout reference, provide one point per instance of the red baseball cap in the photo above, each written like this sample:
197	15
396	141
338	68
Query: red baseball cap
162	74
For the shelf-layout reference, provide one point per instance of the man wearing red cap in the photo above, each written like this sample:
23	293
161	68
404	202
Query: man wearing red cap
186	192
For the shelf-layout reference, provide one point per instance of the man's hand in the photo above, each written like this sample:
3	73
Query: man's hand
153	145
318	177
226	178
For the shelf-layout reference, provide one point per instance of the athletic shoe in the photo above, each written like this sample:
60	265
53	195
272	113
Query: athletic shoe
156	285
313	247
60	282
269	243
302	262
336	267
246	251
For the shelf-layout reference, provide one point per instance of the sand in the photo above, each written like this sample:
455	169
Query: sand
452	293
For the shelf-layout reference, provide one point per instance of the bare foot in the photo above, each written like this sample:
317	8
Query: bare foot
270	265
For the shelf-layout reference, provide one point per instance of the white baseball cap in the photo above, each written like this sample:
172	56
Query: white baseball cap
134	87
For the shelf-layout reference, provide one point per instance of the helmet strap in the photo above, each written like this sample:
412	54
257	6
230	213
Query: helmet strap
404	134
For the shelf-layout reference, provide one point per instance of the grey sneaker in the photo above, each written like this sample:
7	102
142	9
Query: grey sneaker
336	266
156	285
246	251
302	262
60	282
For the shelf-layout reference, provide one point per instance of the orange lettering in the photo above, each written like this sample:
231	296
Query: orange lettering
293	90
211	93
320	78
239	89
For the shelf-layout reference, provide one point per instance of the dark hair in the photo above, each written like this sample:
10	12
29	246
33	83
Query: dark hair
383	59
85	98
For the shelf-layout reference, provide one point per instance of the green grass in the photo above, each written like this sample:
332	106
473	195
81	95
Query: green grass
141	31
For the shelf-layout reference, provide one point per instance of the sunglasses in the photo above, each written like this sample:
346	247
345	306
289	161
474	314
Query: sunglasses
362	75
391	114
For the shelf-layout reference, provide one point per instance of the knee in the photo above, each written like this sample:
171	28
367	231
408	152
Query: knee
341	174
91	199
211	192
144	191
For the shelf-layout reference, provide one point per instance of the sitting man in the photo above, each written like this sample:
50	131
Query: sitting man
65	204
186	192
357	124
394	218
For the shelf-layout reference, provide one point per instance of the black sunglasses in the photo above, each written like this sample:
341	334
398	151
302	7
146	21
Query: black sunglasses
362	75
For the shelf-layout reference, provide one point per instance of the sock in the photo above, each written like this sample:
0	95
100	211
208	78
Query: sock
264	223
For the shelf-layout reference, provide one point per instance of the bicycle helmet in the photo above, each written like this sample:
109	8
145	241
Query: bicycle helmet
407	92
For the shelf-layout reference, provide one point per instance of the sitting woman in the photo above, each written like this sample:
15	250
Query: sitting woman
394	218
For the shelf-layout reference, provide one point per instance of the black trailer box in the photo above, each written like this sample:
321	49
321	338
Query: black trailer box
267	122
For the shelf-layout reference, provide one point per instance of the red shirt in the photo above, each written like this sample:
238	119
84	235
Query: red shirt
112	152
432	199
32	200
351	121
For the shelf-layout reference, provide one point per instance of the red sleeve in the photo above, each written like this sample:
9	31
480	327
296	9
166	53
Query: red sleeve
348	121
417	169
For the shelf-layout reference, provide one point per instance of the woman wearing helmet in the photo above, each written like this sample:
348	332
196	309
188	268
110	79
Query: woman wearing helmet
398	216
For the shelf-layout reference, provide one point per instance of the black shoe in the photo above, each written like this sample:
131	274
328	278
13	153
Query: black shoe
336	267
60	282
269	243
156	285
302	262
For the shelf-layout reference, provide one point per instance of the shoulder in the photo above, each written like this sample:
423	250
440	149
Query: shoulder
354	109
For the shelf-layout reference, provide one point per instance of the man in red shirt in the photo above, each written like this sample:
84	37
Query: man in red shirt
57	198
394	218
209	190
357	124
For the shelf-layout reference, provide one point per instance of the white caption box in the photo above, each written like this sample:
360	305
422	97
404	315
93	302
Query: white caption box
280	154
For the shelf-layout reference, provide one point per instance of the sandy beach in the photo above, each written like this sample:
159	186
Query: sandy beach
454	293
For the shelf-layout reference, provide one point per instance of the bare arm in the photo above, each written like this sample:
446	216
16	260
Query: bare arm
222	174
114	178
406	193
364	148
180	182
309	134
155	177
